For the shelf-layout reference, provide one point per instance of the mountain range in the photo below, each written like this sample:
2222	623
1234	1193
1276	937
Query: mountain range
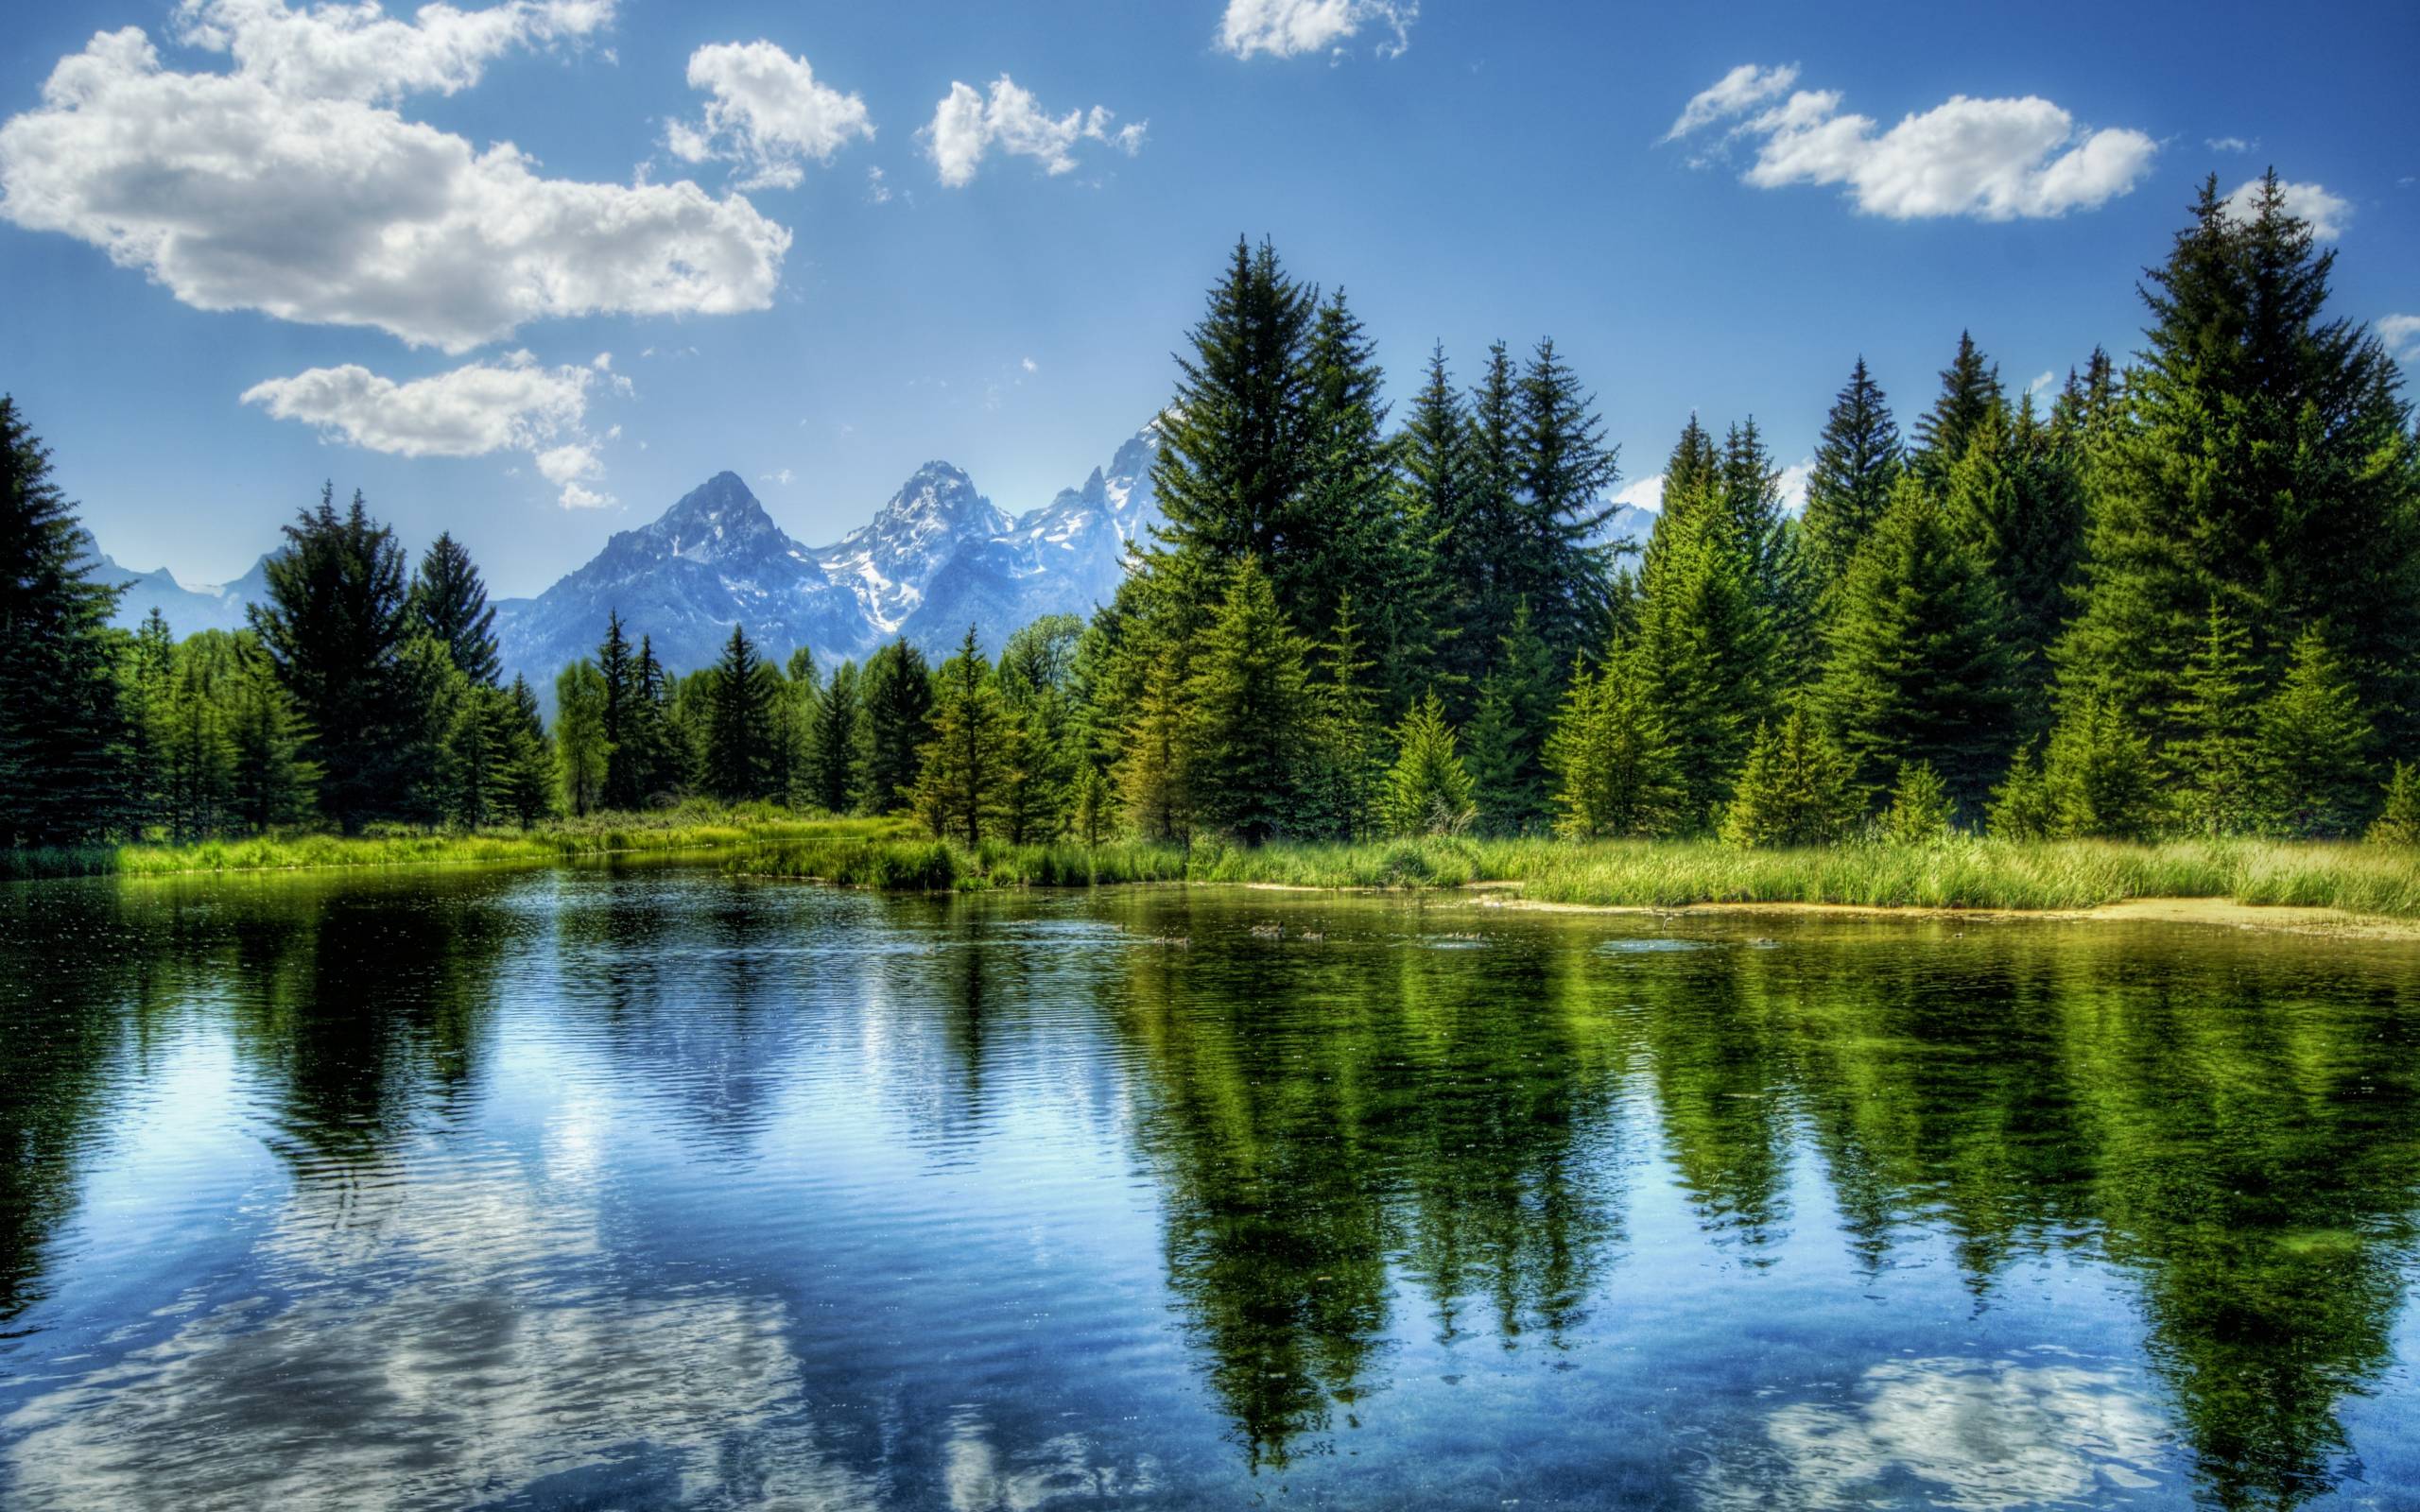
935	559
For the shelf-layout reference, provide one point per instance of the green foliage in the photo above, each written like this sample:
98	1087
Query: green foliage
2213	758
2021	808
1970	400
2398	821
1614	768
582	751
1155	776
1508	734
1706	653
1249	713
836	743
1921	810
1429	791
335	626
1856	461
450	602
742	755
897	688
972	761
1795	791
1919	659
2098	777
2312	759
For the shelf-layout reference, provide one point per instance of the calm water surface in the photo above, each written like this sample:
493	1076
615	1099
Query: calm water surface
650	1188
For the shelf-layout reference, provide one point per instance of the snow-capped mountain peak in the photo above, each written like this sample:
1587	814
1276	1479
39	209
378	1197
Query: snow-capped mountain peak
888	561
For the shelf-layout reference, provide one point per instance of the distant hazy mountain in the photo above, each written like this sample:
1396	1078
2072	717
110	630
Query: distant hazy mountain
713	560
1064	558
206	606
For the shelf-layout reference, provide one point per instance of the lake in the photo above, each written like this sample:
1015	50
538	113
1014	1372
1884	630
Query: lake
634	1186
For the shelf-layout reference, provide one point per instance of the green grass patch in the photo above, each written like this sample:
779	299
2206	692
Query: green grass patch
689	828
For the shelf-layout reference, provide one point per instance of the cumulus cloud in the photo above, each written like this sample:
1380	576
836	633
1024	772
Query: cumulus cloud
1792	484
967	125
2228	144
2401	334
1990	159
514	403
291	186
768	114
2326	213
1287	28
1732	94
1642	494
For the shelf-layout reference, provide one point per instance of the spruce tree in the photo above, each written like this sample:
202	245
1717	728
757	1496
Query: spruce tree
1155	774
1918	667
628	759
2398	821
528	773
738	753
1429	790
1441	508
2211	759
60	730
1920	812
971	762
1231	469
897	690
1705	656
198	748
2098	777
1559	569
1348	527
835	747
1795	790
336	625
581	750
2021	806
1249	707
1857	462
2312	756
1508	734
1970	399
1036	673
146	675
1749	487
2015	500
1612	764
272	782
2267	460
1341	795
450	602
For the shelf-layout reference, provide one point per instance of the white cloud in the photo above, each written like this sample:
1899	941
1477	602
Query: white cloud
2401	334
1645	493
1792	484
1288	28
877	192
2229	144
2042	382
2327	214
1732	94
1028	365
966	126
288	186
1994	159
768	114
512	405
782	477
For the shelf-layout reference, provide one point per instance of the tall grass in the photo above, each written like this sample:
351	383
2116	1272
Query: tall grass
1962	873
694	827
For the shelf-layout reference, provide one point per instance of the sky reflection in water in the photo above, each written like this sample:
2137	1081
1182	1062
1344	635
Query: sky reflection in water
648	1188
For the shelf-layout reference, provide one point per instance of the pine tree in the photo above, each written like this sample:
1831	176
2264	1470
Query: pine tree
1093	817
529	789
1234	463
451	604
835	749
1749	487
2015	499
2098	777
273	782
660	758
2021	805
581	750
1857	462
1794	791
1249	707
1614	768
60	728
897	690
2268	459
478	757
2212	759
196	747
1508	734
1484	549
145	672
628	759
336	625
1441	509
1918	666
739	754
972	760
1154	776
1035	674
1970	399
2398	822
1340	793
1920	812
2312	757
1706	657
1558	570
1428	791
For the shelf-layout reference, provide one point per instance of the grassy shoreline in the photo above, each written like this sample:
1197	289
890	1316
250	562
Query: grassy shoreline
690	827
1963	874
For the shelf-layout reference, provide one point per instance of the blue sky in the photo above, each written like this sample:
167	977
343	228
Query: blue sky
253	246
